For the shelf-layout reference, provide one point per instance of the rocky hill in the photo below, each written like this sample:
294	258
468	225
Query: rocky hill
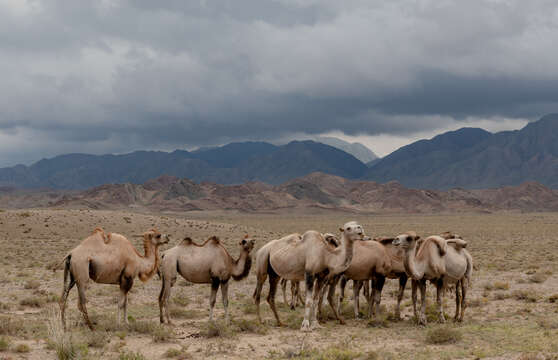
314	191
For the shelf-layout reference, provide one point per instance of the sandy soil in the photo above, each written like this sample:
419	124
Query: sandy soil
511	314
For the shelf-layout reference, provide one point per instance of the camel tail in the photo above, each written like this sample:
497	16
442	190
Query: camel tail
66	259
469	271
67	262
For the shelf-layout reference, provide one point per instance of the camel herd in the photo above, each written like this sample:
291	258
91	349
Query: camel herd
321	261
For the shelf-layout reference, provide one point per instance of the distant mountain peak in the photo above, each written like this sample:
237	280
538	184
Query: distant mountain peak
358	150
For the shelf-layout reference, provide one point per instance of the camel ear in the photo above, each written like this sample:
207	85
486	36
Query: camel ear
246	236
341	229
417	237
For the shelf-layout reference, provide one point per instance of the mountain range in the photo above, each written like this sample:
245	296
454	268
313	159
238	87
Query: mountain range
313	192
469	158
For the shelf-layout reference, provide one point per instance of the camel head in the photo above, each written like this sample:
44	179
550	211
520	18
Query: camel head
247	243
331	239
407	240
448	235
155	237
353	231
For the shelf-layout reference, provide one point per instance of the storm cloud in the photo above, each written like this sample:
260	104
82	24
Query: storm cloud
115	76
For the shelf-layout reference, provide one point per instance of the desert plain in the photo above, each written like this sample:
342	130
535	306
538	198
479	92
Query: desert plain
512	310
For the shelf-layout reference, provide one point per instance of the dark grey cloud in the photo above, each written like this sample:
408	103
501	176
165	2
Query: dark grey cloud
114	76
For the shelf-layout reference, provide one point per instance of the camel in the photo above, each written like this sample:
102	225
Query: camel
396	270
209	263
109	259
306	257
440	264
296	295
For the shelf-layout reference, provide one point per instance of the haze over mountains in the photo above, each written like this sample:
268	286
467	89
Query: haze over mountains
468	158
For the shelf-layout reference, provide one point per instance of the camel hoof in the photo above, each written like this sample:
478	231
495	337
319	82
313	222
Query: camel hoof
305	326
442	319
316	325
342	322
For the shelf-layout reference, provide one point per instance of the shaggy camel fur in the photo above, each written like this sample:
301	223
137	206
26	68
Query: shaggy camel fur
296	295
309	257
109	259
209	263
442	265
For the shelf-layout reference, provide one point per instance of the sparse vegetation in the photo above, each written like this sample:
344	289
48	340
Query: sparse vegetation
443	335
4	343
131	356
22	348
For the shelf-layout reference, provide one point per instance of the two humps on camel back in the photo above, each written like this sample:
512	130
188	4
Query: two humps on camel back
109	259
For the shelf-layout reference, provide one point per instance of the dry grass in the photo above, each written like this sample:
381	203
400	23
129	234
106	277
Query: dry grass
443	335
505	318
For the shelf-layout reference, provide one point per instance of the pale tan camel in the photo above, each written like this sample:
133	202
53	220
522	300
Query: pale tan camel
296	295
442	265
309	257
209	263
109	259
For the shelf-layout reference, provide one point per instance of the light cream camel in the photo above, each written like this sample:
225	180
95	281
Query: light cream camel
442	265
296	295
109	259
309	257
209	263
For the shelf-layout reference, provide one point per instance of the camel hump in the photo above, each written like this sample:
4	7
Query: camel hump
214	240
441	243
187	241
106	237
457	243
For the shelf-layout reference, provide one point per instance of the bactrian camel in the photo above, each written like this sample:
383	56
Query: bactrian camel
296	295
308	257
442	265
209	263
109	259
395	270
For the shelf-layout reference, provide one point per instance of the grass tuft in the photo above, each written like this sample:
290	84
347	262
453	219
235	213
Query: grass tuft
443	335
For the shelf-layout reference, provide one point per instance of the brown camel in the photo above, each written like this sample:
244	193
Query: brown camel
309	257
396	270
440	264
209	263
109	259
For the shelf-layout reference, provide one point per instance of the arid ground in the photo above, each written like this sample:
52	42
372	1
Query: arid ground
512	312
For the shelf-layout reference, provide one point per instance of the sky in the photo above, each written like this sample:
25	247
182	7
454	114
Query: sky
113	76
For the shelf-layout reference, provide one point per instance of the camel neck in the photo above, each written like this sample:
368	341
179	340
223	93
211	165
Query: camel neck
345	255
410	263
149	261
241	267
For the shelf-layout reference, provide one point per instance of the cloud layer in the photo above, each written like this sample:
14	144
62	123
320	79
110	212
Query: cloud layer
114	76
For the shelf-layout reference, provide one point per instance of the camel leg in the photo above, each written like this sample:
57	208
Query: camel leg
371	297
126	283
318	291
414	297
283	283
309	279
402	285
439	298
258	294
331	299
294	294
225	296
457	301
320	300
164	295
356	290
463	298
342	285
422	286
69	283
81	305
366	287
273	282
299	293
378	287
215	282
